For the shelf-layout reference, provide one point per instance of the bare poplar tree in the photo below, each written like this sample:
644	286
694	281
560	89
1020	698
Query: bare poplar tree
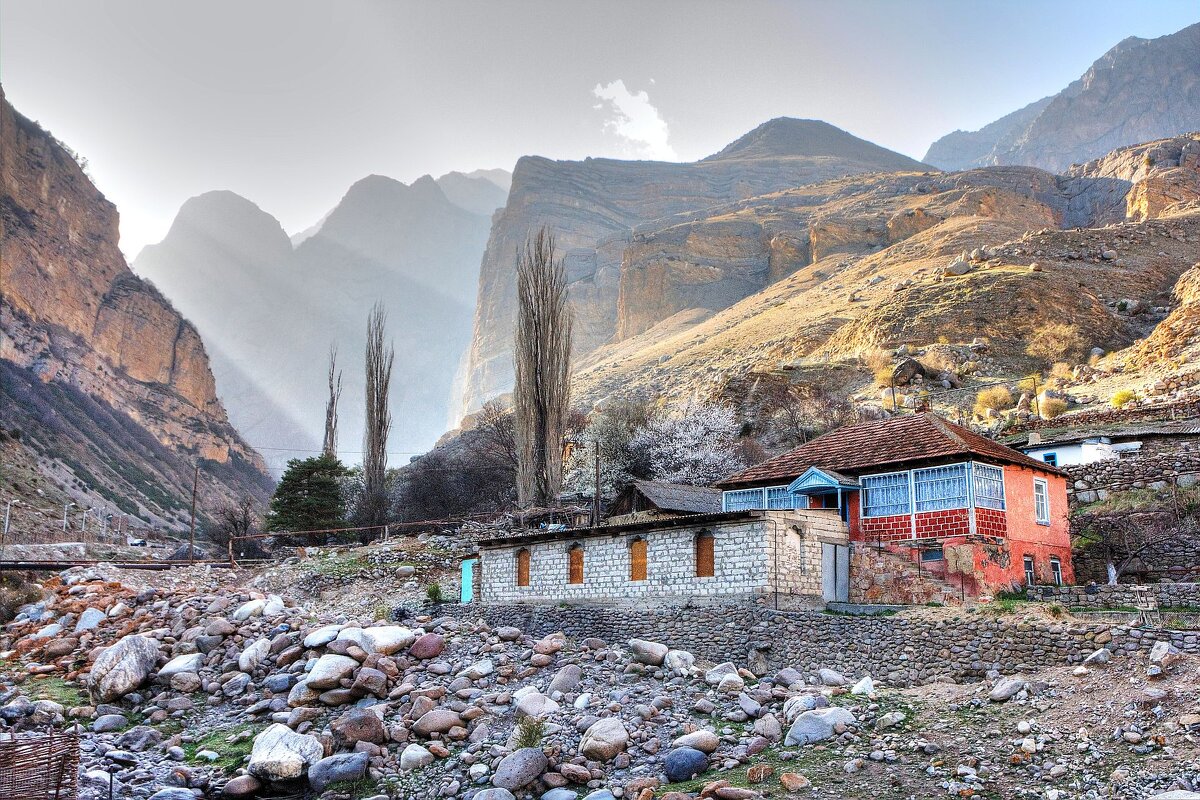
331	405
542	356
379	420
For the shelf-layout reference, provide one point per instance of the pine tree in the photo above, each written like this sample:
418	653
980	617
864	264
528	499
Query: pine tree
308	496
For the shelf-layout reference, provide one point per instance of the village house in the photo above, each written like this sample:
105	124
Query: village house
971	510
917	487
650	499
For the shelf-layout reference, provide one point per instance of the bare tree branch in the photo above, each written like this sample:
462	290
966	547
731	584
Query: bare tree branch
331	405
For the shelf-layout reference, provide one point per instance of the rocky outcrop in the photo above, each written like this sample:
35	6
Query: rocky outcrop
1141	89
75	316
594	206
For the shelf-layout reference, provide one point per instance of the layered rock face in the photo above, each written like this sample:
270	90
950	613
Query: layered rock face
270	309
595	207
1141	89
74	314
813	277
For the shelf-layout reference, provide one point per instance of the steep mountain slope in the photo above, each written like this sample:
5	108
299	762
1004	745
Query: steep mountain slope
1141	89
272	310
137	404
836	271
594	206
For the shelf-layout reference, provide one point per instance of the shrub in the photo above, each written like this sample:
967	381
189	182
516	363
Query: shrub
1051	407
1122	397
995	398
433	592
16	591
529	733
1061	371
880	363
1056	341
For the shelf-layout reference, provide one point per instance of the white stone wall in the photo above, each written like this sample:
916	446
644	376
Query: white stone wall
744	563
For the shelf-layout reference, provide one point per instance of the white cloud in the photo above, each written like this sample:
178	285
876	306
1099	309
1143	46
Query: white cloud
637	123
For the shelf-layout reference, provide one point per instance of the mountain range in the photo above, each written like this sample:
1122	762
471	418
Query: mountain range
102	382
271	306
1140	90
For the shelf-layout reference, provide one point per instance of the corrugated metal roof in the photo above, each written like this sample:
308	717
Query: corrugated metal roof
854	449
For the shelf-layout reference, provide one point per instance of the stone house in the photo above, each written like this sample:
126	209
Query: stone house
968	509
788	557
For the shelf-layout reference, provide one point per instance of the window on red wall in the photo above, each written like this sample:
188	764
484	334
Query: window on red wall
1041	501
1056	571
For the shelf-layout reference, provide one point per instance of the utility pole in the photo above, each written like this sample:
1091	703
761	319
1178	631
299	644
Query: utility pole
192	525
596	489
66	506
4	533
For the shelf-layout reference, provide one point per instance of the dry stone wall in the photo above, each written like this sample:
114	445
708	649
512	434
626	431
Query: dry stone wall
905	649
1162	462
1168	595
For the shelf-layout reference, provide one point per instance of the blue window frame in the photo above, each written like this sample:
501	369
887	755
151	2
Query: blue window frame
778	497
989	486
742	499
886	495
1050	458
940	488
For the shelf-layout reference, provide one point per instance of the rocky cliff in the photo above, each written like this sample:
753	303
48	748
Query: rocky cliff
815	278
1141	89
271	310
75	316
595	207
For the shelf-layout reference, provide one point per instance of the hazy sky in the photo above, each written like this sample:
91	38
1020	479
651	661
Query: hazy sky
288	102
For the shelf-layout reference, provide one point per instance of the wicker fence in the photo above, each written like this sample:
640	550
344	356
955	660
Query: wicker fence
43	766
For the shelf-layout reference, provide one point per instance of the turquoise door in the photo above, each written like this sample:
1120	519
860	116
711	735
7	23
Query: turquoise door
468	580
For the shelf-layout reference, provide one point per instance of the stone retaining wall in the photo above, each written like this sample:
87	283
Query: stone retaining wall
1169	595
1161	463
905	649
1106	416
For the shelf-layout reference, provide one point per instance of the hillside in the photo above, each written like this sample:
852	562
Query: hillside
110	386
271	308
1141	89
595	205
812	284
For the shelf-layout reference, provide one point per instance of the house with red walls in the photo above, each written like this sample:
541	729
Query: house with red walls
964	507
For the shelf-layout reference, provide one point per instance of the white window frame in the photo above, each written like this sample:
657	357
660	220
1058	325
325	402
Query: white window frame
982	477
941	476
1056	570
1041	501
909	502
1030	567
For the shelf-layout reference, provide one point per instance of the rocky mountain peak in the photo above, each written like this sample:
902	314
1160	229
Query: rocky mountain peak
785	137
1140	90
236	222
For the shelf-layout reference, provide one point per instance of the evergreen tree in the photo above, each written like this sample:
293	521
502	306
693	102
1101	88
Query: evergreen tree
309	495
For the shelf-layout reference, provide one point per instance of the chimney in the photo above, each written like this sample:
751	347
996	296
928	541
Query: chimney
1035	437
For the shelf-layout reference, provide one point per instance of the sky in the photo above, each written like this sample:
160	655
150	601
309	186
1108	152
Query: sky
289	102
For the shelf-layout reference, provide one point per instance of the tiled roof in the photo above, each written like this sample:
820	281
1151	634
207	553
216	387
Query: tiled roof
855	449
680	497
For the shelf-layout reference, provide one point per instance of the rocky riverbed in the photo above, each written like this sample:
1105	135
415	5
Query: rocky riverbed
194	686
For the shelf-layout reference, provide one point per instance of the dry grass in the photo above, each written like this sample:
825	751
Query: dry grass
1052	407
994	398
16	591
879	361
1122	397
1056	341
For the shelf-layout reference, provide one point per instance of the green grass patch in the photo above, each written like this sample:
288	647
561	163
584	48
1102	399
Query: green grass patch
56	689
232	754
337	565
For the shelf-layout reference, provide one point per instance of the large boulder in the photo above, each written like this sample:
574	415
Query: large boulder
520	768
389	639
281	754
1005	689
322	636
703	740
329	670
604	739
429	645
253	655
566	680
340	767
817	725
438	720
189	662
123	667
358	725
651	653
535	704
684	763
415	757
680	662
